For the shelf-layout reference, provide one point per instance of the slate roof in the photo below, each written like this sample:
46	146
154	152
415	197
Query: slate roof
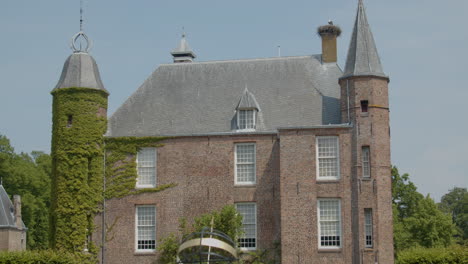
363	58
80	70
201	98
7	218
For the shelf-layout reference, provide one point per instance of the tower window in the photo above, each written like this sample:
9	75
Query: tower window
365	162
364	106
69	120
368	226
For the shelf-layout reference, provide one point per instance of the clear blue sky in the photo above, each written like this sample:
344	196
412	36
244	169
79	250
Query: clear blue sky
422	43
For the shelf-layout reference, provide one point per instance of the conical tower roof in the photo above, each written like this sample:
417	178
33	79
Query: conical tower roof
363	58
80	69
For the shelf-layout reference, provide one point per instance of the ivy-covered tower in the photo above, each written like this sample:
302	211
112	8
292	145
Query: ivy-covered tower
79	122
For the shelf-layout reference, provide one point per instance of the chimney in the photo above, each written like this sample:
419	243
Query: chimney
17	209
329	33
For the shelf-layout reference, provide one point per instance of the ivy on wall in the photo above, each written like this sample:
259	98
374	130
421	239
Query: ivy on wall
78	151
79	123
121	170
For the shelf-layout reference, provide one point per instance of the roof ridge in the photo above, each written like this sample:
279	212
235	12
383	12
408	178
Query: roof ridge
242	60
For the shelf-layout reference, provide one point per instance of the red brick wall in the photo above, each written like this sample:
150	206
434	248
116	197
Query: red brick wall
300	191
203	168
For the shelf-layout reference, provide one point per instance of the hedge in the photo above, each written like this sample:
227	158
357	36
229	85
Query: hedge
45	257
450	255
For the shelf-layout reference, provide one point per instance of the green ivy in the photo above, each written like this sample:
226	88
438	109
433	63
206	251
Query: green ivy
121	171
79	123
78	151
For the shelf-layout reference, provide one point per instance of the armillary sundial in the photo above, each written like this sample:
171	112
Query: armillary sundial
207	246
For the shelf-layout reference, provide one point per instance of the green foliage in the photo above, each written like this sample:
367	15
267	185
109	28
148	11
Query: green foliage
121	171
227	220
28	176
417	220
451	255
456	203
167	248
404	194
77	171
45	257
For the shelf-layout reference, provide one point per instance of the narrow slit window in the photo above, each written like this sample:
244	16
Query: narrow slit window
366	162
368	227
69	120
364	106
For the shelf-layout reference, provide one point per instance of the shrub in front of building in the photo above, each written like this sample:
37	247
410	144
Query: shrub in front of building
45	257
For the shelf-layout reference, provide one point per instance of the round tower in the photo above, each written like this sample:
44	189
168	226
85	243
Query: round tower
79	122
365	105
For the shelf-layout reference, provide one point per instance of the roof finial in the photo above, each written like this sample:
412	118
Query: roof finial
80	36
183	32
81	15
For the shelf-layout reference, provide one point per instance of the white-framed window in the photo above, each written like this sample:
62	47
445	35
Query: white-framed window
145	228
146	168
248	241
368	226
328	158
365	162
245	163
329	223
246	119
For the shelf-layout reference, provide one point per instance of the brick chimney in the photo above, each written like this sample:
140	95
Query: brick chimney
329	33
17	209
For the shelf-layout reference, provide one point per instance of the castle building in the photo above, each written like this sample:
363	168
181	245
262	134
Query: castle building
12	229
298	145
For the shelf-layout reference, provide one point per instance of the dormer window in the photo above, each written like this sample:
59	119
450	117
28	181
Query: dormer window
246	112
246	119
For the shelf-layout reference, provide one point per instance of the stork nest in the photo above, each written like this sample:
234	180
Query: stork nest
329	29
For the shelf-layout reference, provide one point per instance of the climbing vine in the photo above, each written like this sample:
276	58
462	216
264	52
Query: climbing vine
78	152
79	122
121	171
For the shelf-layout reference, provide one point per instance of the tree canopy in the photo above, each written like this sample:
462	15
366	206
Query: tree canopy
456	203
29	176
417	219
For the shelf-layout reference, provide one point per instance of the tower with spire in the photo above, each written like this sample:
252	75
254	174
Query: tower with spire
79	121
365	106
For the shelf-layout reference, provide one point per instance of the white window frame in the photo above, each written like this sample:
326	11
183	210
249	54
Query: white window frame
253	120
138	185
337	157
368	228
319	221
136	229
256	224
245	163
365	159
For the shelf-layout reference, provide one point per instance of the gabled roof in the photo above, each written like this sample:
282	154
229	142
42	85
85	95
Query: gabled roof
80	70
363	58
247	101
7	216
200	98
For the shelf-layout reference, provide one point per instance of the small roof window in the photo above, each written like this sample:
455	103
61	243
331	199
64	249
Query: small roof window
246	110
